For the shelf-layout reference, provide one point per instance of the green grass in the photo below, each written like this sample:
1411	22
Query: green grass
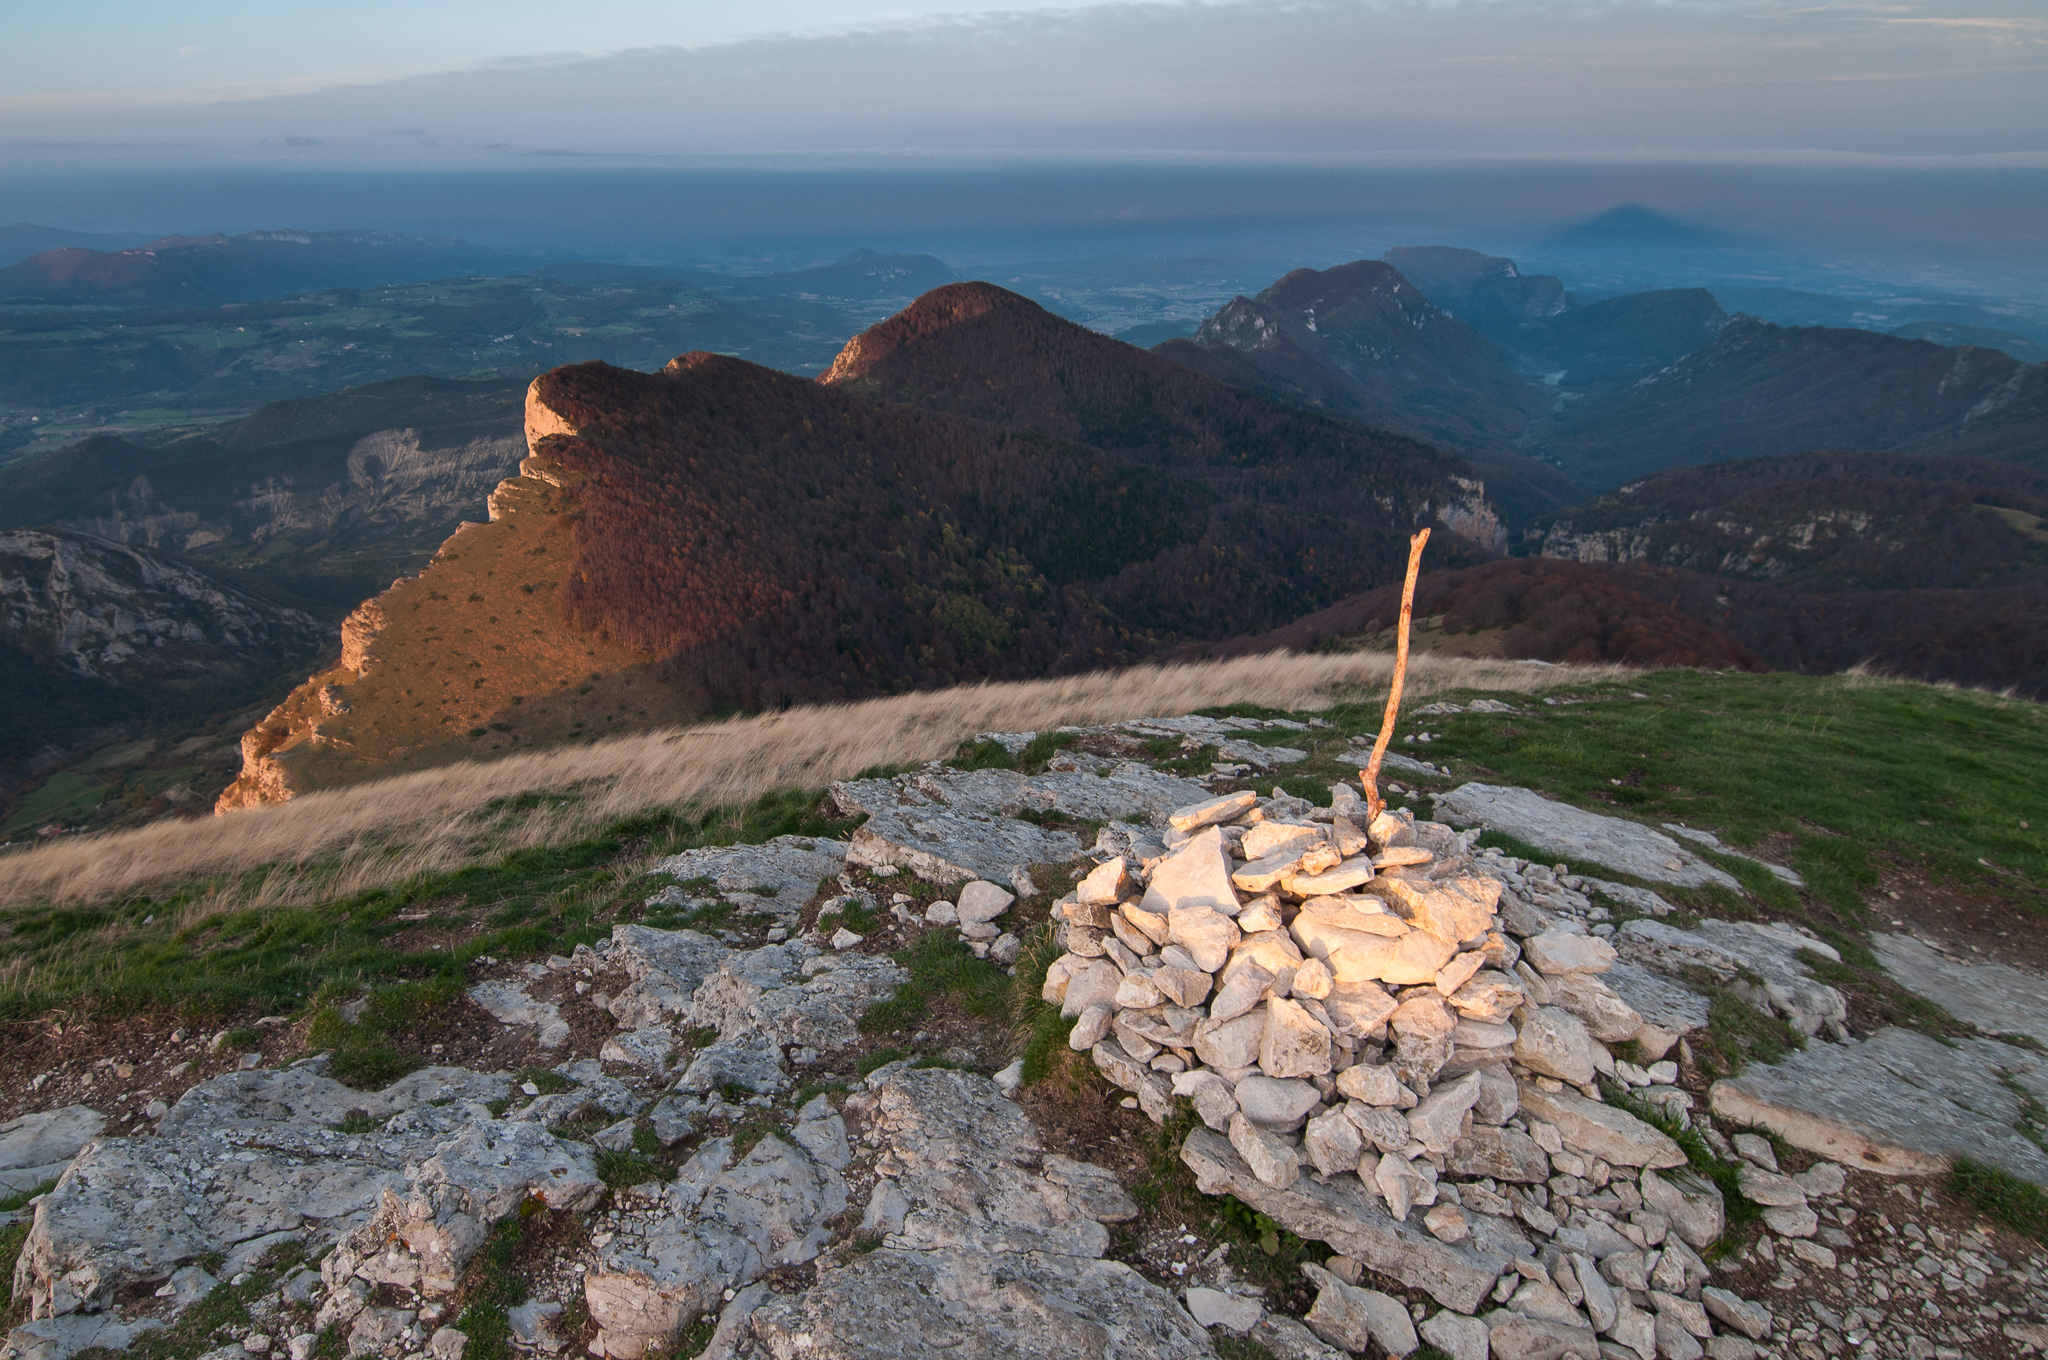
2019	1205
878	1059
980	755
532	901
198	1328
621	1169
851	915
491	1287
1738	1034
1040	750
1230	1347
941	966
1846	770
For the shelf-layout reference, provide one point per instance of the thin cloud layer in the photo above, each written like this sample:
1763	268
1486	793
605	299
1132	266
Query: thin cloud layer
1936	79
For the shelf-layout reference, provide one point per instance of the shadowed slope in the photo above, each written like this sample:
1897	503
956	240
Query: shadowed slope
1296	499
1759	390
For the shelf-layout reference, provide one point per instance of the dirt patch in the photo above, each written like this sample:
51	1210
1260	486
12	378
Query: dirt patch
1974	926
118	1065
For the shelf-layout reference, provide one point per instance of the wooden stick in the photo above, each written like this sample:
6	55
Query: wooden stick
1370	775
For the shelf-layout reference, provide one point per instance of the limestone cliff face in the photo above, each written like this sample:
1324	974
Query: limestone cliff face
469	657
119	614
1468	512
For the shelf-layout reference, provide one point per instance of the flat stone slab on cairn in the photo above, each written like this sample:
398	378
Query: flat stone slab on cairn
1898	1102
1575	834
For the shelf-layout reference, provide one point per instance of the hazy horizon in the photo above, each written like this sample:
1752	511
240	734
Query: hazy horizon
1921	82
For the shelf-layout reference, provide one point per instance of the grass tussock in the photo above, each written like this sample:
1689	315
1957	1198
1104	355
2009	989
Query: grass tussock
435	821
2019	1205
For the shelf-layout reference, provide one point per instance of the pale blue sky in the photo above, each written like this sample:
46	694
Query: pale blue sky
378	82
124	48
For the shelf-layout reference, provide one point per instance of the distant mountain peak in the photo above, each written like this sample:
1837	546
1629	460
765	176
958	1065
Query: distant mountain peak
1632	224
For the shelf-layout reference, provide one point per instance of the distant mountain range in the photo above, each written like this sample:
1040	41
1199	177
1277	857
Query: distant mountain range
979	488
24	239
1824	521
205	271
1508	368
1758	390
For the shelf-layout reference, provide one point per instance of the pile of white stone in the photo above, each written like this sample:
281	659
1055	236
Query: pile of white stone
1380	1032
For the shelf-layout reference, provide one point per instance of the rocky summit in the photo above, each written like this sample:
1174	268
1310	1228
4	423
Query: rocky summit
1453	1091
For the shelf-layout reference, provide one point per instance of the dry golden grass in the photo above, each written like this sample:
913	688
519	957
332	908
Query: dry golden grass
345	840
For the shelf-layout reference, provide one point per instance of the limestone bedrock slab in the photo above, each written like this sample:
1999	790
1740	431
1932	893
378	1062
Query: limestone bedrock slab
1669	1008
37	1147
1575	834
1758	962
990	1247
1992	996
943	846
1897	1103
1340	1212
132	1209
950	826
780	875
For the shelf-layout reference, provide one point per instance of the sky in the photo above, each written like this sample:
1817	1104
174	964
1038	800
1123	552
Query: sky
375	83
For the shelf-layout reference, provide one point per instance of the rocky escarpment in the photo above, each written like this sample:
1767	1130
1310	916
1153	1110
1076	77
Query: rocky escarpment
719	533
476	638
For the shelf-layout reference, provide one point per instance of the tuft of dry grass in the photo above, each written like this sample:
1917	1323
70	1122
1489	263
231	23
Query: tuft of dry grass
341	841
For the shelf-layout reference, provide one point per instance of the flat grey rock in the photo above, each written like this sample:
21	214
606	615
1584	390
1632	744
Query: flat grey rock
1573	833
509	1004
777	877
1263	757
1392	760
1758	962
1995	997
941	845
952	826
897	1304
991	1248
1104	791
1897	1102
665	968
238	1157
37	1147
59	1338
1669	1008
720	1224
1713	842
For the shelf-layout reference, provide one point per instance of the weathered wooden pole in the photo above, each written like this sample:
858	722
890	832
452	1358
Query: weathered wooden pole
1370	775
